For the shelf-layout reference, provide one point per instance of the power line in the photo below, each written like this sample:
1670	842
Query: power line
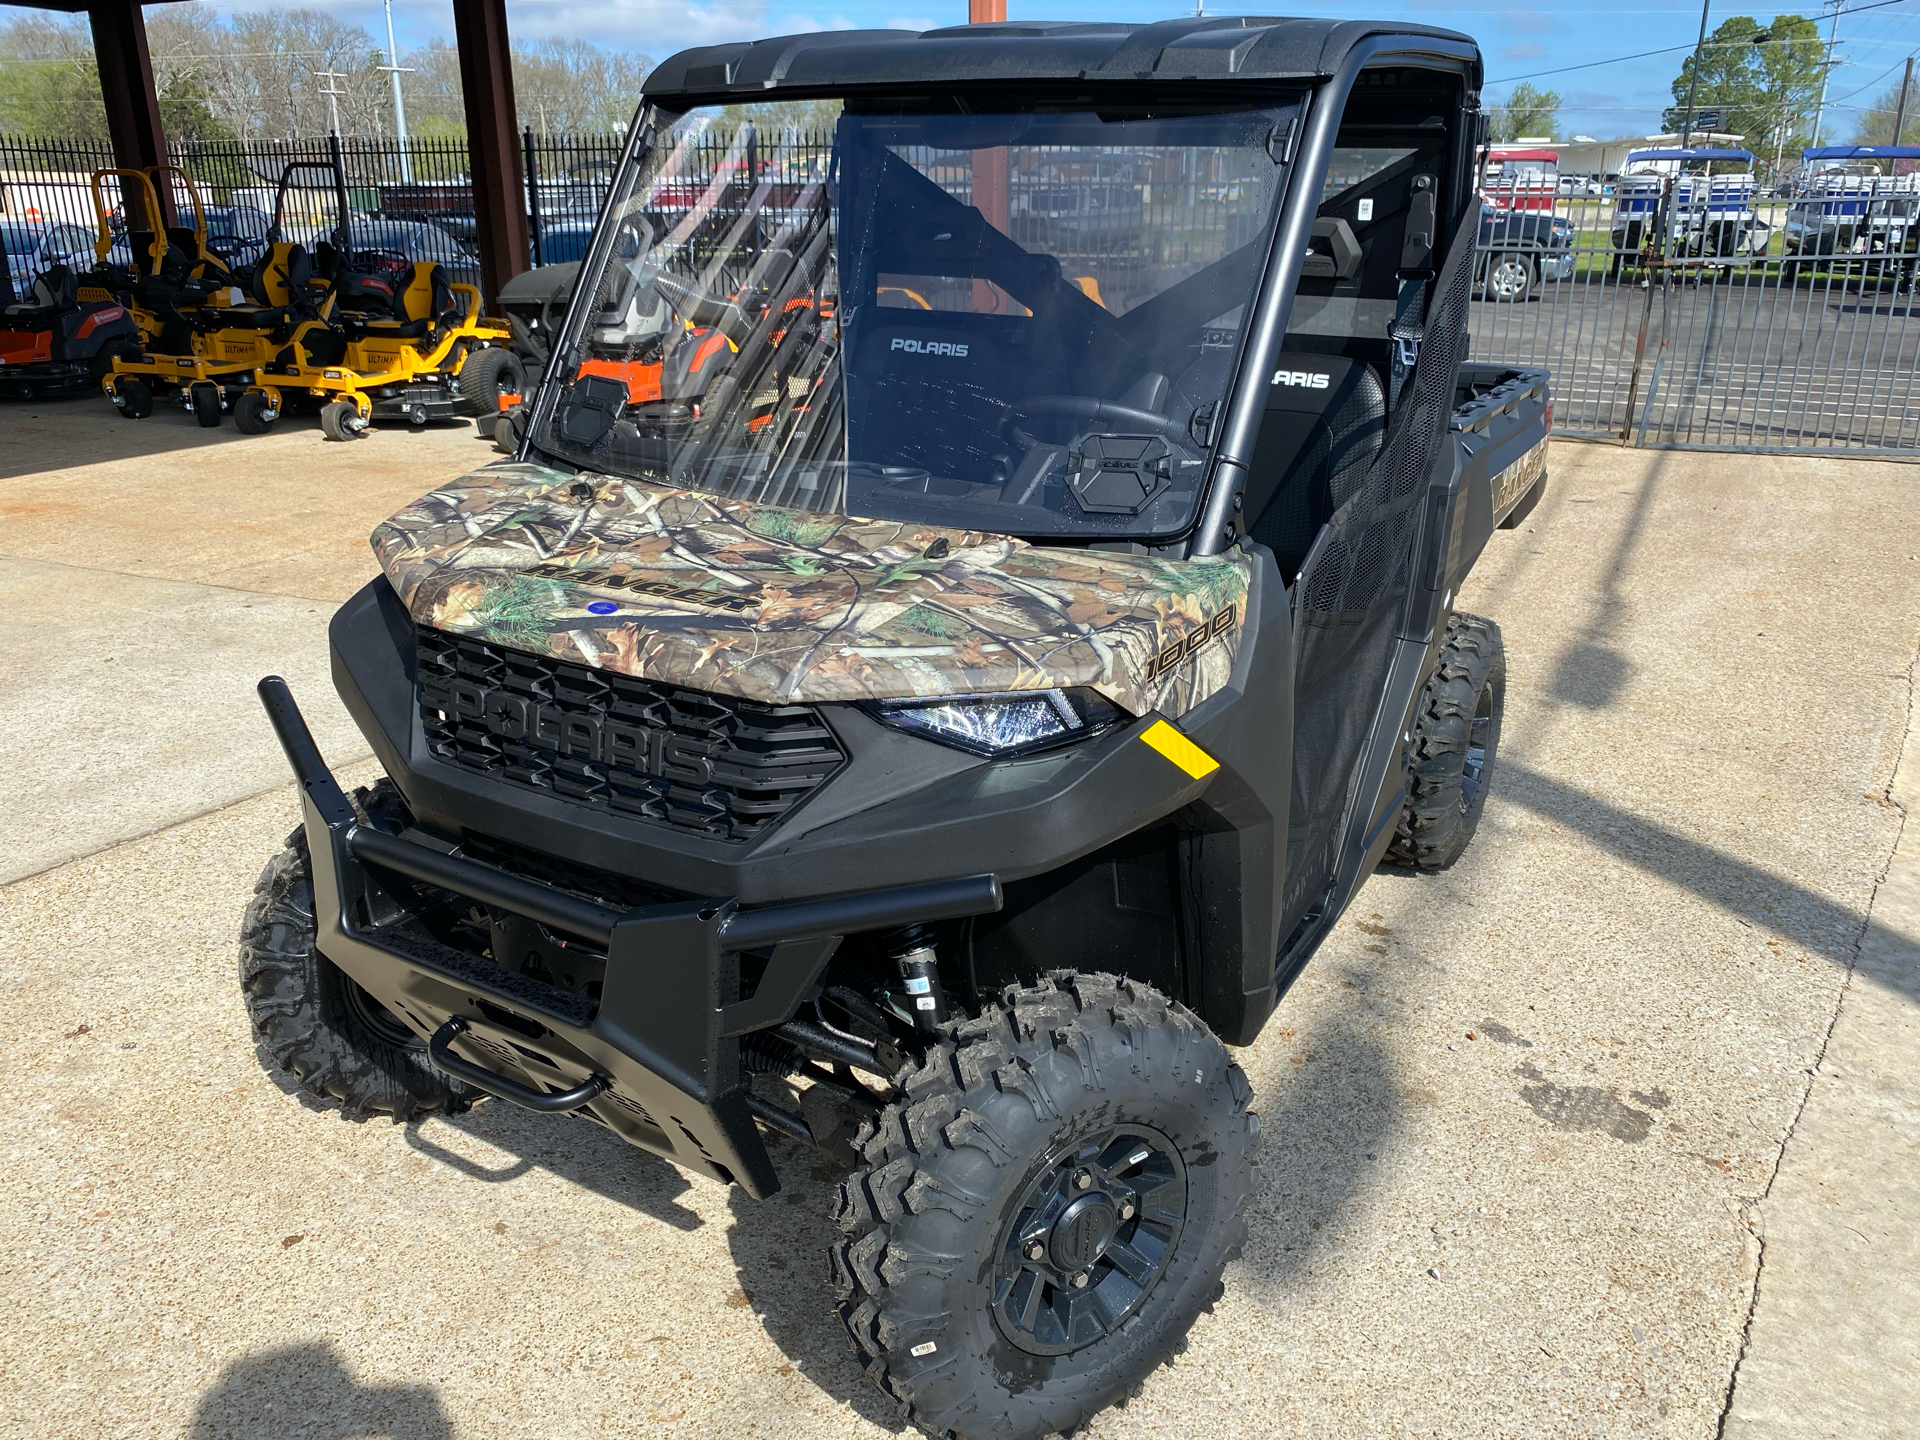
1670	49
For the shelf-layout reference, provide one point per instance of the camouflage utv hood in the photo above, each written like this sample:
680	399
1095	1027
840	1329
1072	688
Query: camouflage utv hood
780	605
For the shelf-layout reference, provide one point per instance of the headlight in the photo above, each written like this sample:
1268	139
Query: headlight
1000	725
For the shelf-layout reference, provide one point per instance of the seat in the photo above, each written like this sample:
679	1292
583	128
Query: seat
422	301
52	291
278	282
1325	423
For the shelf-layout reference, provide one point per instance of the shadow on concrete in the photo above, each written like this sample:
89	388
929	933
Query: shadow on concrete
1323	1122
1758	896
576	1150
1590	672
305	1391
779	1249
109	437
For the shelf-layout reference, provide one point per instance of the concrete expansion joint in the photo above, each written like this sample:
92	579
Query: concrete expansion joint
1752	1213
345	762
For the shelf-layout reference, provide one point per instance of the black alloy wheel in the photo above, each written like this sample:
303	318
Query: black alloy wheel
1090	1239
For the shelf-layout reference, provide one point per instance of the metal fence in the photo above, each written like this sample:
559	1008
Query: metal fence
416	199
1674	310
1691	312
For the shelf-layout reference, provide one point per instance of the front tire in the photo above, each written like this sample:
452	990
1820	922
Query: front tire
1040	1219
204	397
313	1021
1456	736
340	420
510	429
255	412
133	399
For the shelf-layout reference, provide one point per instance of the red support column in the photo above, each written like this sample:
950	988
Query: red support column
985	12
493	141
126	85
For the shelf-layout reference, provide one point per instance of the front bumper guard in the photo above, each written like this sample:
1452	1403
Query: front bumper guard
657	1059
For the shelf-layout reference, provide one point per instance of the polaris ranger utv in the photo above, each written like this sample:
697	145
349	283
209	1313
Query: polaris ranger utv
972	710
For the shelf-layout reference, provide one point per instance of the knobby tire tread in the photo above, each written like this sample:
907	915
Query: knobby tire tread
966	1109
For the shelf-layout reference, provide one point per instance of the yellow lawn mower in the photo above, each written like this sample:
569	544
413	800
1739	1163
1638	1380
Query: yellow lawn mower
405	344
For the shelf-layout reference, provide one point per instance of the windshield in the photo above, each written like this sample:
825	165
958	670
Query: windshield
1015	322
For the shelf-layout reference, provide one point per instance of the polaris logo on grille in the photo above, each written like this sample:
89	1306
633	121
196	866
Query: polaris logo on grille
930	347
1304	379
577	734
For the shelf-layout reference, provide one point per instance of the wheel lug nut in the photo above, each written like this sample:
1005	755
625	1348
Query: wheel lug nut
1126	1209
1082	1179
1080	1281
1036	1251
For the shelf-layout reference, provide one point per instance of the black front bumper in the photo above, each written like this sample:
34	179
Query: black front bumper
662	1042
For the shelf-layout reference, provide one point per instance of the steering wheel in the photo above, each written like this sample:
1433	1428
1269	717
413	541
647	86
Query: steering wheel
1092	413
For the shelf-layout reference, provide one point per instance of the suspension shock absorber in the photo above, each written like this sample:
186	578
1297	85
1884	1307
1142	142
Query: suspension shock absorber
919	966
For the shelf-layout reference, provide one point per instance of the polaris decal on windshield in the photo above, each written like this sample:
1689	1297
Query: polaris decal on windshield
1305	379
1196	638
929	347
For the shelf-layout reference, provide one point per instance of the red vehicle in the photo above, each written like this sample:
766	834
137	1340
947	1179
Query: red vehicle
1517	178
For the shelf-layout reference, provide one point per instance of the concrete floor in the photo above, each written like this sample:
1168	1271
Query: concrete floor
1525	1120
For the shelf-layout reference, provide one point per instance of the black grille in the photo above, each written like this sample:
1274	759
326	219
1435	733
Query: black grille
706	764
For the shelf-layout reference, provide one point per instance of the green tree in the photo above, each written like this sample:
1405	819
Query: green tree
1526	111
48	84
1766	91
1876	121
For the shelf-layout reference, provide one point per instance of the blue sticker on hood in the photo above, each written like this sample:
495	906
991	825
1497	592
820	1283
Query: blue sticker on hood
603	607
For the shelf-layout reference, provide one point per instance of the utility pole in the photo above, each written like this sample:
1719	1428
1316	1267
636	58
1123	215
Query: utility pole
1900	115
1826	70
333	93
396	70
1693	86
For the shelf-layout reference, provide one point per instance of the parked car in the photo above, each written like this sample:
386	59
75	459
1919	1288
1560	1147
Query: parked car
237	234
395	244
561	243
32	249
1521	250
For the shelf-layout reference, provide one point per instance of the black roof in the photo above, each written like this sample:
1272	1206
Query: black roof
1236	47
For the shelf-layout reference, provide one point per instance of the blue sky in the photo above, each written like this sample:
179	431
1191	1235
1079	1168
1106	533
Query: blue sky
1604	101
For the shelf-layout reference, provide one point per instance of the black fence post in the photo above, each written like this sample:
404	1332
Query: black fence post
533	195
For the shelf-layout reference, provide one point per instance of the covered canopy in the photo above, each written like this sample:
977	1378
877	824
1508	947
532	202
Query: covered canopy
1862	152
1691	152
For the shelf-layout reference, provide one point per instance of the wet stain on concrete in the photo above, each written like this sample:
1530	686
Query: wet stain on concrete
1494	1030
1584	1107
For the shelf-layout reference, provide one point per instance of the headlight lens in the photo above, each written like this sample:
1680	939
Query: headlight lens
1000	725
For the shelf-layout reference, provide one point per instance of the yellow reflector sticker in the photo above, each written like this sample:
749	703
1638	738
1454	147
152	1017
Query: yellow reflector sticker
1180	750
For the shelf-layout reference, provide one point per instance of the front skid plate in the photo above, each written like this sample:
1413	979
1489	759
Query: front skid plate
655	1036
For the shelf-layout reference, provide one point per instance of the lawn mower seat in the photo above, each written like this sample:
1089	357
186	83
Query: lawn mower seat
278	282
53	289
364	295
1325	422
422	301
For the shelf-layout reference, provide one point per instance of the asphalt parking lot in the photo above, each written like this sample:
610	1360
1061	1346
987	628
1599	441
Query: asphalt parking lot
1545	1150
1815	358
